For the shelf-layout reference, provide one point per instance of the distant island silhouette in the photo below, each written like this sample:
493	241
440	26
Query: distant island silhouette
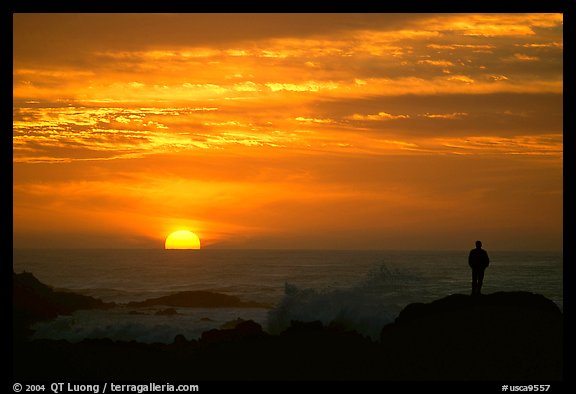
504	336
199	299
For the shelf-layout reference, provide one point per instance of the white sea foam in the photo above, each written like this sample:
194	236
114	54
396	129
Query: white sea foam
365	307
359	289
121	324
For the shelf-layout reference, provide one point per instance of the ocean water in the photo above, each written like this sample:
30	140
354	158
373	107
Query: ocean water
362	290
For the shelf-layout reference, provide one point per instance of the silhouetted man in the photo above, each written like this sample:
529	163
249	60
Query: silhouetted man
478	260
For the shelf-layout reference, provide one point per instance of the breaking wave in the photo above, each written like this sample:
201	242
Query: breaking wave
365	307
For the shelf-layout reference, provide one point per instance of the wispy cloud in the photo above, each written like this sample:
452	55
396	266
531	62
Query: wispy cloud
251	123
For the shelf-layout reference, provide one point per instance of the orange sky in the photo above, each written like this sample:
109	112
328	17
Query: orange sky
379	131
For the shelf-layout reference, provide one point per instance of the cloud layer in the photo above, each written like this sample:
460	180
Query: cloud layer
271	130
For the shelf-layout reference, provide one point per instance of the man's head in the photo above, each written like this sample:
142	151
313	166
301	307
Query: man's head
478	244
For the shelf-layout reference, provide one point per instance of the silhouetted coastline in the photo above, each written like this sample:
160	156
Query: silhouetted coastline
34	301
513	336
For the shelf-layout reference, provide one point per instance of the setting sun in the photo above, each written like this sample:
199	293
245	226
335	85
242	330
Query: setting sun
182	239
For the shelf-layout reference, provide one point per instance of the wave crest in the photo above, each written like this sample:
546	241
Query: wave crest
366	307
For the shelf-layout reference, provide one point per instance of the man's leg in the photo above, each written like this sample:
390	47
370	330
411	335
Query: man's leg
474	282
480	279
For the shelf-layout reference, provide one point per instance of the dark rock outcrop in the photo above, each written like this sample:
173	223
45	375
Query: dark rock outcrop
34	301
502	336
509	337
244	330
198	299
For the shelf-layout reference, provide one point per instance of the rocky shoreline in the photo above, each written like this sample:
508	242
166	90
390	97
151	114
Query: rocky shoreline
511	336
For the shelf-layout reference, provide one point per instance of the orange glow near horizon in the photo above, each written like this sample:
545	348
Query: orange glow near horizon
417	131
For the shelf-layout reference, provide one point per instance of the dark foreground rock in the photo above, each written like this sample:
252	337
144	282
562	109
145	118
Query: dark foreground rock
512	337
33	301
501	336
